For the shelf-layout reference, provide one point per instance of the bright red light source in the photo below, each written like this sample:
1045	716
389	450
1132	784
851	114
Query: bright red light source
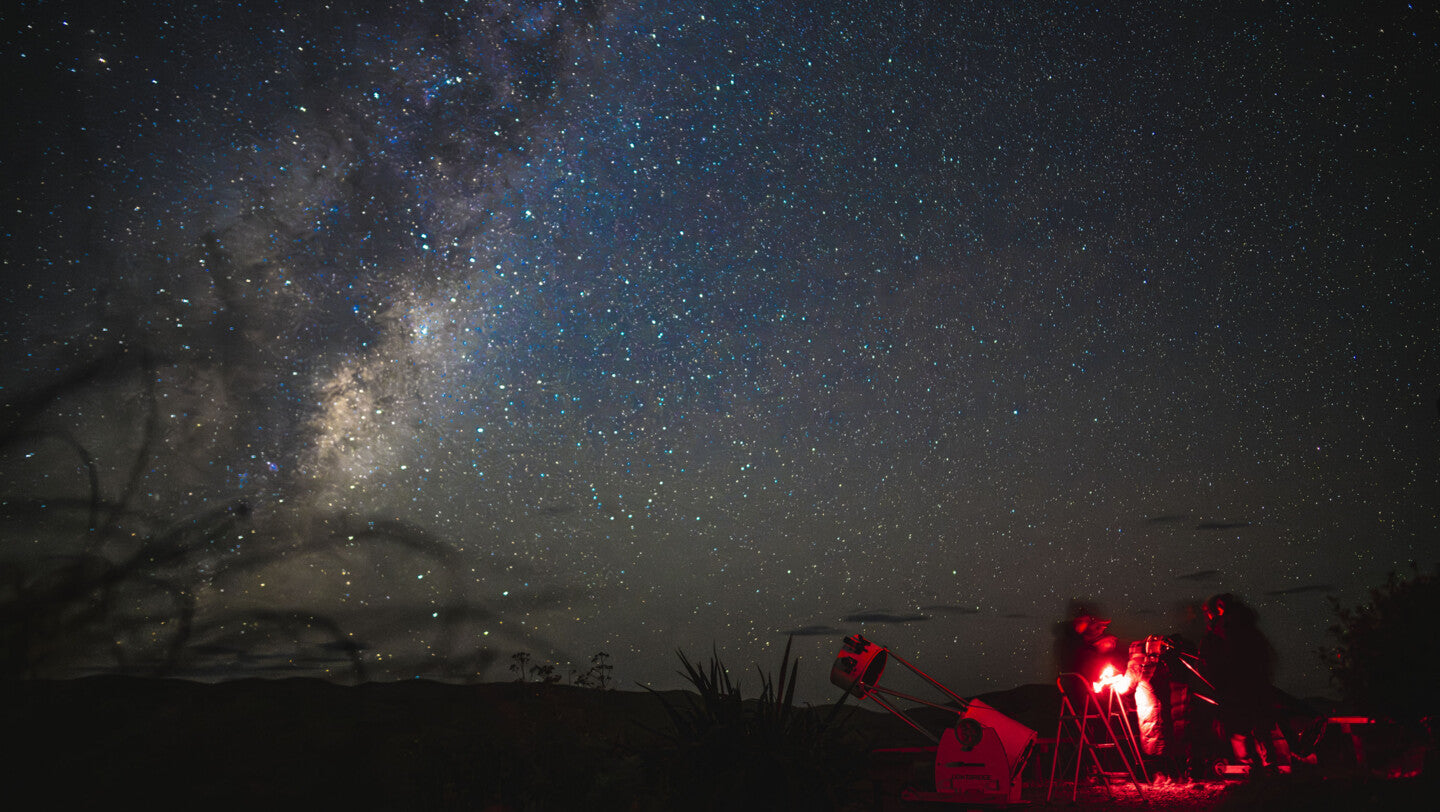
1117	682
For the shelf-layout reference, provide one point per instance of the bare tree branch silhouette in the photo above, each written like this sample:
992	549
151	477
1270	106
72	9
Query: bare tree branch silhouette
118	584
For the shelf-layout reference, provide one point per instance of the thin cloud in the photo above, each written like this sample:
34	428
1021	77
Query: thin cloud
954	610
884	617
1301	590
1202	575
814	630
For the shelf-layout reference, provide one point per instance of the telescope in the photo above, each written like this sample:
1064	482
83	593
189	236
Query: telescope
978	757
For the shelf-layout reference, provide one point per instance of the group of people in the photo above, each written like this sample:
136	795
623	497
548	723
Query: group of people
1195	704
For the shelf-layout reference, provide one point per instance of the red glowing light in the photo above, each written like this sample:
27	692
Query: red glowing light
1115	680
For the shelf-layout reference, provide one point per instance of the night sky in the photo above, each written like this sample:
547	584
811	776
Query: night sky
381	339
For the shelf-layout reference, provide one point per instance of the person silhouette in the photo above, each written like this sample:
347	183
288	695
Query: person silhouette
1239	662
1083	643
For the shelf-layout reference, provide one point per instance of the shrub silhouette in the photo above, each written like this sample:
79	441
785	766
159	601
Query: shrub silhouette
1386	654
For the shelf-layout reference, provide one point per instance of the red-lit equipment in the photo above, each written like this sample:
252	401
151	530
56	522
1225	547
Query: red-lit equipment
978	757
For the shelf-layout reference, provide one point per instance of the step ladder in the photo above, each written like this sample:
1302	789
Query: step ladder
1096	726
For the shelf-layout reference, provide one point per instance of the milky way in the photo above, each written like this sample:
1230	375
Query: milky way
381	340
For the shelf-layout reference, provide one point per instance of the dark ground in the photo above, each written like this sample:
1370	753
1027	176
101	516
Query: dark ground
500	746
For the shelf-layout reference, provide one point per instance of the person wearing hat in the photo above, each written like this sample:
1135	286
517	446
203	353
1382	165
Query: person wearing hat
1084	645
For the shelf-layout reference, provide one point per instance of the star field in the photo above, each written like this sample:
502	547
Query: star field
390	339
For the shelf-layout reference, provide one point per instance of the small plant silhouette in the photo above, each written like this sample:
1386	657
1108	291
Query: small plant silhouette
599	674
519	663
768	750
544	673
